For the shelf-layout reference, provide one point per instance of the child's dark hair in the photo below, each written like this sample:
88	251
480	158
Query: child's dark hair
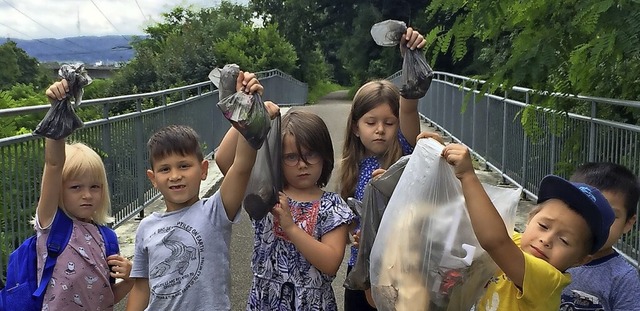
310	133
174	139
611	177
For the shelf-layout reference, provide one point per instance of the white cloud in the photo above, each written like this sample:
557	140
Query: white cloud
36	19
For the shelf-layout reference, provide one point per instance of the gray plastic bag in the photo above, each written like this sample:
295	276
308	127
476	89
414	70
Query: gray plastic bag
265	182
246	112
416	72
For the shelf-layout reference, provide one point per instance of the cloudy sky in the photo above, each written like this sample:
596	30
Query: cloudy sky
37	19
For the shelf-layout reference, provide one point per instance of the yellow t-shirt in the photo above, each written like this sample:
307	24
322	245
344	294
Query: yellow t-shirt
541	287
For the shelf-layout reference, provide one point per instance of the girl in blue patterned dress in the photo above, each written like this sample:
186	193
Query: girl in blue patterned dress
299	247
382	127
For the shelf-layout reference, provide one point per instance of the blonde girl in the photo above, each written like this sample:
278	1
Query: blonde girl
74	181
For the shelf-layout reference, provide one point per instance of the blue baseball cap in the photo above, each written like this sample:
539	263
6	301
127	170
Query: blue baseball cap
586	200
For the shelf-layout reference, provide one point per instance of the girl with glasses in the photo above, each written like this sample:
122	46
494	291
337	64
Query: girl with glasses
299	247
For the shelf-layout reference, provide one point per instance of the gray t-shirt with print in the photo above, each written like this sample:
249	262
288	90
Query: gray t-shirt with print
185	256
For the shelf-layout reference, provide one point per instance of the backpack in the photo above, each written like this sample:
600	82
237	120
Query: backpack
22	288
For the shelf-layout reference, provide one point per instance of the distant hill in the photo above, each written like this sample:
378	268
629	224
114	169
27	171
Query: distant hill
106	50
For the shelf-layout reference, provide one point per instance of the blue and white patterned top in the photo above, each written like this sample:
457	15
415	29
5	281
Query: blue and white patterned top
282	278
367	166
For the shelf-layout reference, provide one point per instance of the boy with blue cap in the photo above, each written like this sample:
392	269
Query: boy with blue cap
570	224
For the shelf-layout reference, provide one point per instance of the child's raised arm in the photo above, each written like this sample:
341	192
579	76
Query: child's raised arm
237	169
325	254
54	157
235	182
485	219
409	119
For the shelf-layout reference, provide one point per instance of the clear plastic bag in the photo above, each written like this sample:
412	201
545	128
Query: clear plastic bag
265	182
225	79
425	255
61	119
416	72
388	33
375	199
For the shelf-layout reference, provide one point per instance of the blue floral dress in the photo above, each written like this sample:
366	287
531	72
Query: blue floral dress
282	278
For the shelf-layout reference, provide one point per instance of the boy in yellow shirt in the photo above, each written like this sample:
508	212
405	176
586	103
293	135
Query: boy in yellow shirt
570	224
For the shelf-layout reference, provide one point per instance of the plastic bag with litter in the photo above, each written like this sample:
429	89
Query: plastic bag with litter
375	199
246	112
61	119
416	72
426	255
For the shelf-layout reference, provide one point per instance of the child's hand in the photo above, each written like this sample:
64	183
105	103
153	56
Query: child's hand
355	236
411	40
272	109
248	83
377	173
57	90
282	213
120	267
433	135
460	158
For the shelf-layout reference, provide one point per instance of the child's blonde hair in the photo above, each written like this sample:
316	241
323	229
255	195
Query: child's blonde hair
81	160
371	95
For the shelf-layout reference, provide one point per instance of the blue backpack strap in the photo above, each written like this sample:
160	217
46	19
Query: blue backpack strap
59	236
111	245
110	239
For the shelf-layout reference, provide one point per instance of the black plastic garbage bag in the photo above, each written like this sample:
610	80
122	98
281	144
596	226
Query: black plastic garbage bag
416	72
265	182
375	199
416	75
61	119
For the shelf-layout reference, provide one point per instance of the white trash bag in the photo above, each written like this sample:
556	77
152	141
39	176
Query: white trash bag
425	255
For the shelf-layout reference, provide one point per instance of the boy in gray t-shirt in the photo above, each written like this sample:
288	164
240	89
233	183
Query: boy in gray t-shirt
181	259
608	282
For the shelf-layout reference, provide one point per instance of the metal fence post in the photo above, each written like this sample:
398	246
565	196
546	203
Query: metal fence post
592	133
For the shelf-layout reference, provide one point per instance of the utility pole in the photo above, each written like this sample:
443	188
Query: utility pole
78	24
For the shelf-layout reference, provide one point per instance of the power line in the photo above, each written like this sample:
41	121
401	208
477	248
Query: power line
144	18
43	42
37	23
108	20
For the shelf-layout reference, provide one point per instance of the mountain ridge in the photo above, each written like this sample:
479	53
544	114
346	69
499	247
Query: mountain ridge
91	50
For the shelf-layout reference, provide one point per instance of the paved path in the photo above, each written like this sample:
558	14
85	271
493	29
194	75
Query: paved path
334	109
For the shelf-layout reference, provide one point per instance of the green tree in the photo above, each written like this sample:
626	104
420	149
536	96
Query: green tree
256	49
322	23
10	70
577	47
16	66
189	43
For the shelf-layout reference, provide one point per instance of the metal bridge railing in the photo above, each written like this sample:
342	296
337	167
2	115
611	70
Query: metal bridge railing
491	127
120	138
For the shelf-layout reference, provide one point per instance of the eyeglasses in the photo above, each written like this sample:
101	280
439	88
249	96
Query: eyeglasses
292	159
